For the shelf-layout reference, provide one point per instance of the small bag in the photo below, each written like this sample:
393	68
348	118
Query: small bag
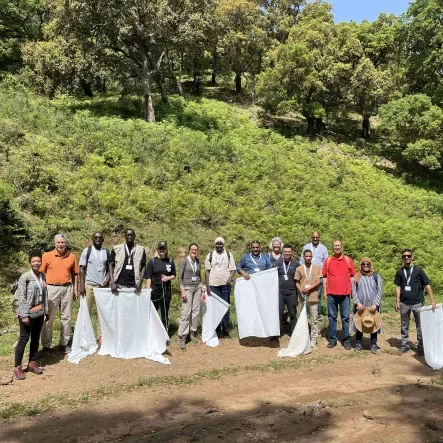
36	312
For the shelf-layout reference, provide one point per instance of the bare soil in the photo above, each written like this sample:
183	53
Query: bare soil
332	397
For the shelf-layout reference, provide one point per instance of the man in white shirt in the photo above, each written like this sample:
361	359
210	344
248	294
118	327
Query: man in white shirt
219	272
319	255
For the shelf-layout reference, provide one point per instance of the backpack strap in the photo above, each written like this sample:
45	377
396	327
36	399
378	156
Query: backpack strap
210	257
88	254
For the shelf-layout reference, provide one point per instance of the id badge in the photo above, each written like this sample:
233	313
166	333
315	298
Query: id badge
256	269
194	278
285	277
407	288
307	286
129	267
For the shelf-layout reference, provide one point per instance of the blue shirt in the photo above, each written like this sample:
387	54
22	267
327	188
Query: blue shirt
249	264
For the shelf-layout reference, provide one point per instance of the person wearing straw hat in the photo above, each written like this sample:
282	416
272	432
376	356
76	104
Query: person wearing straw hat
367	289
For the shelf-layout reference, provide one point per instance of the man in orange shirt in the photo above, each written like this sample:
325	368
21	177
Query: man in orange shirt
60	267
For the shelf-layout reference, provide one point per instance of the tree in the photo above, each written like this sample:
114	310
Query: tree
243	41
415	125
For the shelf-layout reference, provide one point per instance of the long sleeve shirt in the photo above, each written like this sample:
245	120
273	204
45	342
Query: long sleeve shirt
30	294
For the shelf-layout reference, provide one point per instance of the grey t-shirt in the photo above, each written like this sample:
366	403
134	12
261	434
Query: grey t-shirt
96	267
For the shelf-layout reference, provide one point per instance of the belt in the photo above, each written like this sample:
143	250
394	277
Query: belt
55	284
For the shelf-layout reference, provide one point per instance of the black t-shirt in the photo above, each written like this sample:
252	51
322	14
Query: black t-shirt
287	286
127	276
158	266
417	282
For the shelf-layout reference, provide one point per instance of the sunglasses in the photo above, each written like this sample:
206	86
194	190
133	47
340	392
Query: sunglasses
315	238
407	256
366	264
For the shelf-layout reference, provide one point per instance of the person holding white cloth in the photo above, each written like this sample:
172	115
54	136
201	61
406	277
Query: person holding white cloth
254	261
189	279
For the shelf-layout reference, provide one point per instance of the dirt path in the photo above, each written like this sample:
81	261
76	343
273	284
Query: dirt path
332	397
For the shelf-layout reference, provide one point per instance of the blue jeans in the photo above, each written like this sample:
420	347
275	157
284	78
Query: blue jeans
224	292
334	302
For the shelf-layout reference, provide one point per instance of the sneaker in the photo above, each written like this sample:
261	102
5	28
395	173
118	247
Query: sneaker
34	367
403	350
182	343
347	345
332	344
374	349
358	347
193	338
63	349
18	373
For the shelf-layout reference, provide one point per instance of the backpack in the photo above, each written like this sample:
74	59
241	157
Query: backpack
14	293
88	254
227	252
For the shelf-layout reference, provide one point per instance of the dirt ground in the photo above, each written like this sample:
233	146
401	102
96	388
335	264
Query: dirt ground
334	395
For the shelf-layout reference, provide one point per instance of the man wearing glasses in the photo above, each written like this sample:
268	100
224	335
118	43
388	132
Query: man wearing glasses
409	283
94	272
319	255
337	273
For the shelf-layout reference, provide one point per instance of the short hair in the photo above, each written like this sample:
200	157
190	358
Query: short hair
60	235
307	250
130	229
406	250
34	253
288	247
253	242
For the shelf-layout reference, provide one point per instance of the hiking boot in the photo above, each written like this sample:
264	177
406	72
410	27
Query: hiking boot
347	345
332	344
182	343
374	349
34	367
358	347
193	338
18	373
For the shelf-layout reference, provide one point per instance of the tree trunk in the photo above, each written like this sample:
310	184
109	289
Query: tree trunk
311	125
213	78
149	113
319	125
87	88
161	88
238	89
366	126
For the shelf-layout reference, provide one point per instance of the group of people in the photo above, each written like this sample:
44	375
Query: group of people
55	280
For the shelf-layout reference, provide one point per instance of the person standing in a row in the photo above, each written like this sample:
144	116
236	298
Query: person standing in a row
189	279
275	255
254	261
60	267
127	264
219	272
160	271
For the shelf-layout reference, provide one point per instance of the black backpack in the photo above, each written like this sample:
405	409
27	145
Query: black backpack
88	254
227	252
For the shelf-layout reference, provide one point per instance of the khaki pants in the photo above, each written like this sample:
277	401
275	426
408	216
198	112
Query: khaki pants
90	300
190	311
59	298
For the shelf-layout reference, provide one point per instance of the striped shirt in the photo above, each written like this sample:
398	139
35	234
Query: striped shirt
367	291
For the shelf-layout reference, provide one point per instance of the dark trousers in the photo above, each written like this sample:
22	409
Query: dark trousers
334	303
33	330
161	297
224	292
290	301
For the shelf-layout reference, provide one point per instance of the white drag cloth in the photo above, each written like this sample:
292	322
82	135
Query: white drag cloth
211	313
300	342
432	331
84	342
256	302
131	327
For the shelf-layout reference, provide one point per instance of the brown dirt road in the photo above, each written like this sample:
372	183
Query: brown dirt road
334	396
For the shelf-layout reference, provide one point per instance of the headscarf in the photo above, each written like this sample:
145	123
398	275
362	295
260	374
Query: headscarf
219	239
276	239
362	272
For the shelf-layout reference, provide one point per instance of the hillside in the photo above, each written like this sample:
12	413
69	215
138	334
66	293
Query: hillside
205	169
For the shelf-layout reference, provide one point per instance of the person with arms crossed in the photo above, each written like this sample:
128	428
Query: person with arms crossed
307	277
60	267
319	255
160	272
219	273
337	273
127	264
409	283
94	272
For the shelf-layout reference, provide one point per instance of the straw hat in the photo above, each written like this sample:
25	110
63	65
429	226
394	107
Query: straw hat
367	322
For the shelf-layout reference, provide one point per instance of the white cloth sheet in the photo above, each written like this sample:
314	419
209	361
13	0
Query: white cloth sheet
300	342
256	302
84	342
211	313
131	327
432	331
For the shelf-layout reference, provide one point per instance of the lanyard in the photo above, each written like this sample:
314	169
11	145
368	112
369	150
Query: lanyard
408	280
193	266
308	276
255	262
130	254
39	283
286	269
100	259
